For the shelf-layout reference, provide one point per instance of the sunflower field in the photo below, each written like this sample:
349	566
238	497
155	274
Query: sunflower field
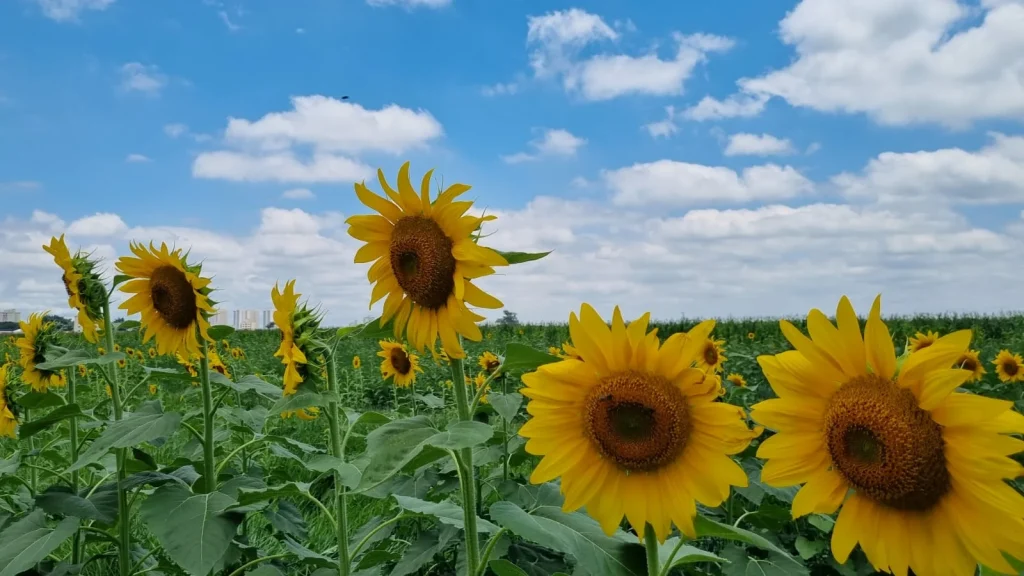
430	443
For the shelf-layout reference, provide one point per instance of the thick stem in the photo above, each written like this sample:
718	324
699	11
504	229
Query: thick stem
123	511
338	448
76	541
33	476
467	477
651	543
504	429
412	395
209	462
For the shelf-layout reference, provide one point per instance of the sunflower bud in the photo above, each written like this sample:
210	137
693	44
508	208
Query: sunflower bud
86	291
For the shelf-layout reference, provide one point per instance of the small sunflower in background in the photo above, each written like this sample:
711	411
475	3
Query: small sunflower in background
440	356
737	380
1009	366
37	335
109	393
152	389
751	335
922	340
711	355
152	352
554	351
216	364
171	296
237	353
122	363
8	413
357	363
398	363
225	344
971	362
101	350
489	362
425	259
140	356
189	364
82	370
117	347
566	352
129	351
479	381
522	332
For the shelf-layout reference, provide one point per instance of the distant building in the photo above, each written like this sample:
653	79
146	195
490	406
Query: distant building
10	315
220	318
268	317
251	319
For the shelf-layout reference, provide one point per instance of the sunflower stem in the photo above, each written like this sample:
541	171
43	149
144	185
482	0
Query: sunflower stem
412	396
651	543
76	542
338	448
468	474
33	476
209	461
123	511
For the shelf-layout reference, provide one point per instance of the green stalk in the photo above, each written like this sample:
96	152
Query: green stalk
338	448
123	511
33	476
76	542
467	477
412	395
651	543
209	462
504	428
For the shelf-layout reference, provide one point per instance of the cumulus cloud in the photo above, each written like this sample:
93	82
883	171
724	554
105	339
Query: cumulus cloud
551	143
100	224
298	194
736	106
137	159
663	128
500	89
175	130
138	77
278	167
744	144
69	10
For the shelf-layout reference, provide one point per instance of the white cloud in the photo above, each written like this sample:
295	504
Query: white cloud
672	183
744	144
411	3
903	61
298	194
993	174
736	106
69	10
500	89
663	128
175	130
97	225
138	77
137	158
223	15
558	36
278	167
551	143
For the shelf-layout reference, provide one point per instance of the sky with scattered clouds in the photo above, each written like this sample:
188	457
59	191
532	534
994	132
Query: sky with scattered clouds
727	158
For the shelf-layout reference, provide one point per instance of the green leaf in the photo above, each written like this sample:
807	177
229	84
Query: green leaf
306	555
191	528
58	414
118	279
303	399
373	330
392	446
258	385
423	550
220	331
822	522
60	500
11	464
178	374
147	424
247	496
522	358
684	554
447	512
808	548
30	540
429	400
37	400
356	418
577	535
459	435
506	405
708	527
520	257
505	568
265	570
346	330
288	441
286	518
350	475
128	325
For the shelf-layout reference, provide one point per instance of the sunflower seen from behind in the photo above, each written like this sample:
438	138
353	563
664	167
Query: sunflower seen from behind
425	260
8	411
1009	366
297	324
631	429
398	363
172	298
916	469
86	291
37	335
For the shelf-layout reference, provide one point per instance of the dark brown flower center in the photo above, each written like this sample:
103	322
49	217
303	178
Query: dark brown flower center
422	261
710	354
1010	367
885	445
173	297
639	421
67	284
492	365
400	360
969	364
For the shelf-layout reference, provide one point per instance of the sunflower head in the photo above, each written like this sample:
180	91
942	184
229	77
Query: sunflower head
398	363
971	362
237	353
37	336
172	297
122	363
298	325
117	347
922	340
86	290
129	351
152	389
631	428
357	363
152	352
489	362
479	381
751	335
425	259
918	468
711	355
140	356
1009	366
737	380
225	344
215	361
8	410
189	364
101	350
307	414
82	370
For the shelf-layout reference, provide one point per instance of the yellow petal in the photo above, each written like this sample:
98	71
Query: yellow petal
880	351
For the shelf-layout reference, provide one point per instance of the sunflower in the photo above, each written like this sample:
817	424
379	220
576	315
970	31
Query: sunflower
237	353
522	332
140	356
37	335
398	363
152	389
751	335
922	340
479	381
1009	366
711	355
152	352
310	413
117	347
489	362
216	364
440	356
101	350
225	344
290	353
737	380
969	361
631	429
554	351
926	464
8	416
82	284
425	258
189	365
82	370
356	362
129	351
171	296
122	363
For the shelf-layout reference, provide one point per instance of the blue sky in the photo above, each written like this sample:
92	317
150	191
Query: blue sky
121	108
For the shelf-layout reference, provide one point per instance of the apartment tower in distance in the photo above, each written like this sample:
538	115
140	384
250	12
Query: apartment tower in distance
10	315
